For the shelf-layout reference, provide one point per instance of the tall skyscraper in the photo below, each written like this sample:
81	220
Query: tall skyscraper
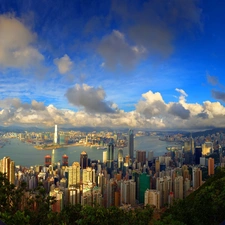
83	160
55	135
131	143
110	156
120	158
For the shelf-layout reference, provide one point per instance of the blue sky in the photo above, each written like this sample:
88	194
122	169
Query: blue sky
146	64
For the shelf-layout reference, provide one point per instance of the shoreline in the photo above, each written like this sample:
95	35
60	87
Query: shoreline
57	146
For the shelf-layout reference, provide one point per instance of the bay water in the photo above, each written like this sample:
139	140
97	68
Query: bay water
25	154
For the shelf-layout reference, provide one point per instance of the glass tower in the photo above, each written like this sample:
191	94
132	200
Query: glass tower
131	143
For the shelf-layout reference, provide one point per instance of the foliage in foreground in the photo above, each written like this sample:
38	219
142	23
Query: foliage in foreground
37	210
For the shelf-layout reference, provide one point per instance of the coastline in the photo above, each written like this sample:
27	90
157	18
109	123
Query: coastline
51	147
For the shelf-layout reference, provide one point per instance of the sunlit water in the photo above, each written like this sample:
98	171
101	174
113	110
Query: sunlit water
26	155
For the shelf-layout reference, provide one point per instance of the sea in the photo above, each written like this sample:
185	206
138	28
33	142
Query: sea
24	154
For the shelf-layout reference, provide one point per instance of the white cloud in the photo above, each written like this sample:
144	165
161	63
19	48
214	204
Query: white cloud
151	112
64	64
16	49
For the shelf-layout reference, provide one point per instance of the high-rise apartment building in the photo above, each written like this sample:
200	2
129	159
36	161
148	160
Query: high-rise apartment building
8	167
128	192
210	166
131	143
196	177
152	197
178	187
74	174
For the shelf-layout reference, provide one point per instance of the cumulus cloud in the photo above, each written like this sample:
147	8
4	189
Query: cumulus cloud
16	49
90	98
64	64
117	52
151	105
151	112
178	109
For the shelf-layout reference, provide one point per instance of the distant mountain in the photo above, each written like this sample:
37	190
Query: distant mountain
208	132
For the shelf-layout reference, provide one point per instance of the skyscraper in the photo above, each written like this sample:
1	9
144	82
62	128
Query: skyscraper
131	143
83	160
55	135
110	155
120	158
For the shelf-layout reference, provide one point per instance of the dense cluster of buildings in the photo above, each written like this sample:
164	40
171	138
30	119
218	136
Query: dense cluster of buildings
130	180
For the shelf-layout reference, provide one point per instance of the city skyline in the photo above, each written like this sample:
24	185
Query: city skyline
147	64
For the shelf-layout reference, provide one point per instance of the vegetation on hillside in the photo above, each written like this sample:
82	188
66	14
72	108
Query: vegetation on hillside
205	206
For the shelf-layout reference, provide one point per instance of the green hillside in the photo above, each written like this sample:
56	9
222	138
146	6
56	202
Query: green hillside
204	206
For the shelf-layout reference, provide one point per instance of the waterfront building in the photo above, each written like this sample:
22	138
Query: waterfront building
48	160
110	156
83	160
56	135
131	143
65	160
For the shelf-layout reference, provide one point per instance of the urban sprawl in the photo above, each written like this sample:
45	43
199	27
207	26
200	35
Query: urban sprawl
125	181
